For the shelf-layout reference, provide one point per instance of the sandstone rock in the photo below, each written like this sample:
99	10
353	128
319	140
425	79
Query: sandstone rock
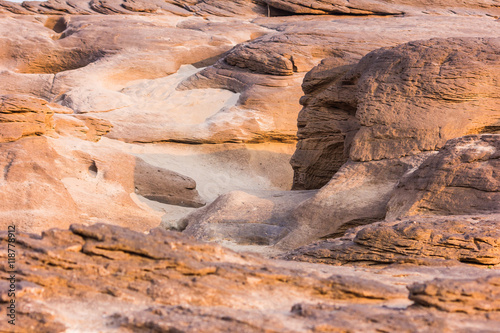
468	295
327	318
386	106
22	115
245	218
358	194
333	7
81	126
462	179
56	182
167	281
401	122
419	240
165	186
121	7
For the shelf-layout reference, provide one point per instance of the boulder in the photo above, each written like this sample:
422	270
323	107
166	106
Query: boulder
245	218
162	185
462	179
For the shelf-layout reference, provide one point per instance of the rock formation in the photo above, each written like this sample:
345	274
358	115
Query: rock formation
462	179
165	281
120	119
396	102
422	240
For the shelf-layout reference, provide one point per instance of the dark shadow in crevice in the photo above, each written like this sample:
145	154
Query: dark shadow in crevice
56	23
93	169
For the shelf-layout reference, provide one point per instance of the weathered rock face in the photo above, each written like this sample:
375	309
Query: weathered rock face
404	100
53	183
420	240
121	7
125	280
463	178
109	264
334	7
22	115
468	295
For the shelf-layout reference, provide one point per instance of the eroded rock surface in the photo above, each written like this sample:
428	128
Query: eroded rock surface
22	115
463	178
468	295
396	102
424	240
166	281
111	264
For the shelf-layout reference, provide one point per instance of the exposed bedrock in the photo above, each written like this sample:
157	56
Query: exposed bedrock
471	296
396	102
462	179
249	8
165	281
371	126
50	183
426	240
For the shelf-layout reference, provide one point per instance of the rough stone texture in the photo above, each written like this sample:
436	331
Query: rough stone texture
121	7
81	126
115	278
468	295
87	184
52	183
334	7
358	194
22	115
463	178
424	240
250	8
359	318
266	70
395	102
108	264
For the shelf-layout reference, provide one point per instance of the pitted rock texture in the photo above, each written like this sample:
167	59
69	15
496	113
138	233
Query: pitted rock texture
463	178
396	102
468	295
424	240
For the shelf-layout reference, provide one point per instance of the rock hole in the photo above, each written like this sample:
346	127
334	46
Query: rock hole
56	23
93	169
